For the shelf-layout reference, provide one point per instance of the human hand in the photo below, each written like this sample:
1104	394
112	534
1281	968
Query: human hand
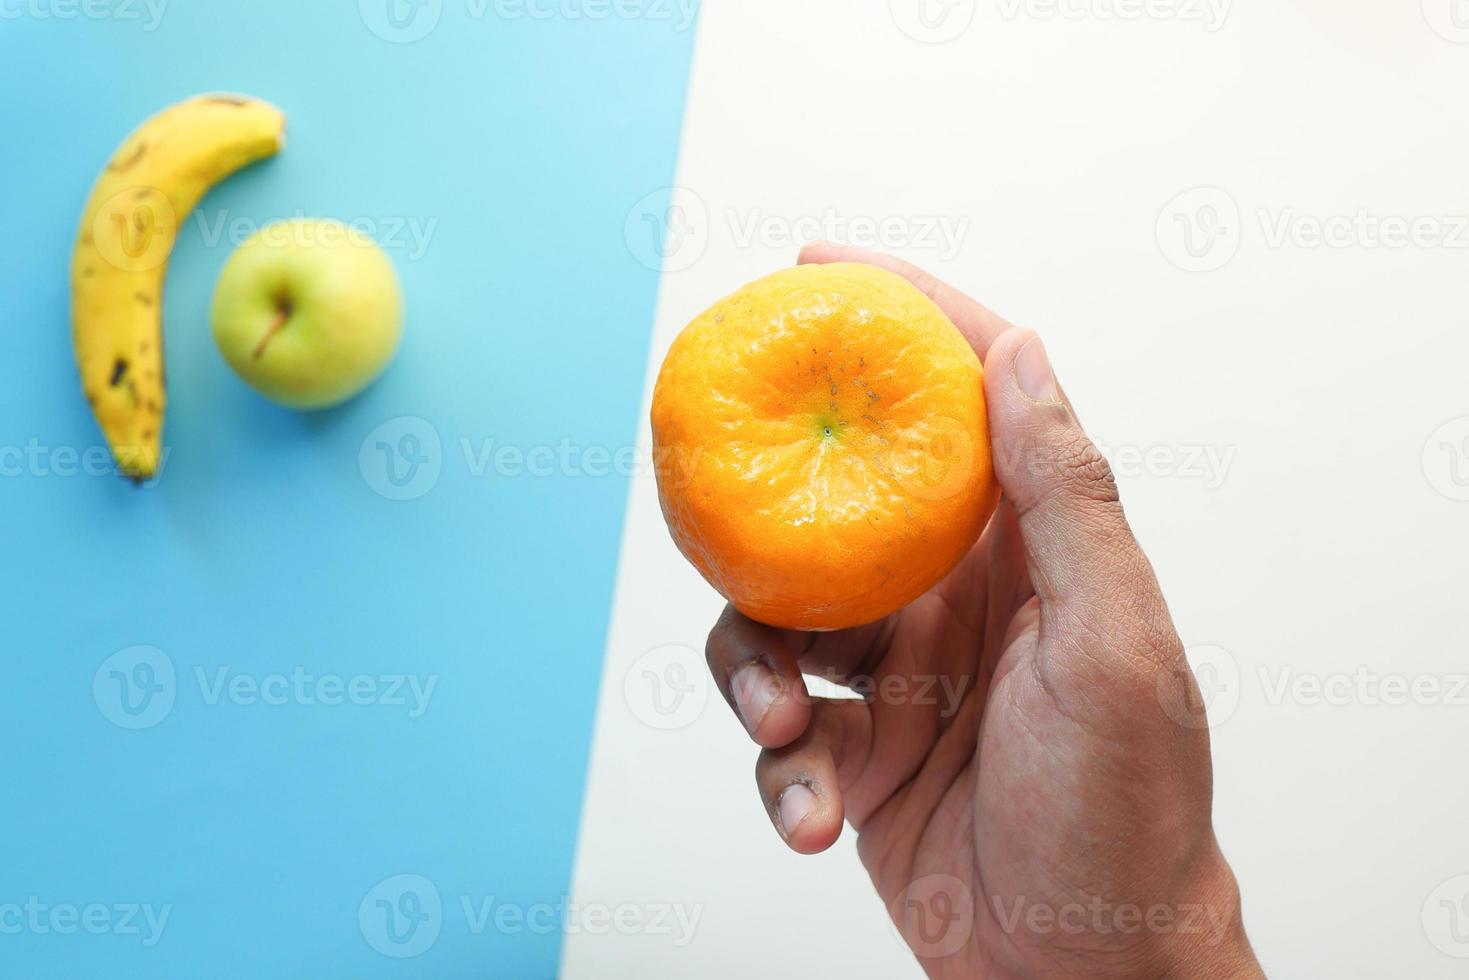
1025	802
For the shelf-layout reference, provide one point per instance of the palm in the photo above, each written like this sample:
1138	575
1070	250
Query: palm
970	803
930	672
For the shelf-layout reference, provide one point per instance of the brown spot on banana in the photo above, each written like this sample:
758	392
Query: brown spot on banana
121	165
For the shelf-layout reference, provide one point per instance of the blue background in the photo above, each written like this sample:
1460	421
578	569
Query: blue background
522	143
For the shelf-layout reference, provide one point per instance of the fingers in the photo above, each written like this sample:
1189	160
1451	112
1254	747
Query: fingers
979	325
810	744
758	669
755	669
1076	539
801	783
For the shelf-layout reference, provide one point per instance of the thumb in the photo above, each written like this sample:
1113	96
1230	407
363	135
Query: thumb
1077	541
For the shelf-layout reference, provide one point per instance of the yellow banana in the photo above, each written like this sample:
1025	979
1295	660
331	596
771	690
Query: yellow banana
129	226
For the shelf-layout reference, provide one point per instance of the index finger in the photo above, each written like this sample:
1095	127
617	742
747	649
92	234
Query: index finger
758	669
979	325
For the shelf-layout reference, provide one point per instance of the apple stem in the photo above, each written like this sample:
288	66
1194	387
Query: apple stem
282	315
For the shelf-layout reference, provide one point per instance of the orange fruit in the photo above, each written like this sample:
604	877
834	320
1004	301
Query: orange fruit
822	446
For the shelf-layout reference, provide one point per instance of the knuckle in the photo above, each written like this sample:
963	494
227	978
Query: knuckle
723	641
715	645
1154	653
1085	471
765	765
1121	644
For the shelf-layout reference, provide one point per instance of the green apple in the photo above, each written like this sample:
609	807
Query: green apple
308	312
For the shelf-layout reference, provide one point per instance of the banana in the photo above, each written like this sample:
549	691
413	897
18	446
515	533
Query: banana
128	229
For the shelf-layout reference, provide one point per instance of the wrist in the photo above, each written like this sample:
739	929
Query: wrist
1210	942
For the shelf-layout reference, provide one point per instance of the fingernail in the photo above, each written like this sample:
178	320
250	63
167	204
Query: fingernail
1033	371
796	803
755	690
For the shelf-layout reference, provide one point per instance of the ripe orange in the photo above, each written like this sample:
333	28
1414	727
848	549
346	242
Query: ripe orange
833	458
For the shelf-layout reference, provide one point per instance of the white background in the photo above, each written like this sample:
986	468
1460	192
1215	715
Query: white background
1325	542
